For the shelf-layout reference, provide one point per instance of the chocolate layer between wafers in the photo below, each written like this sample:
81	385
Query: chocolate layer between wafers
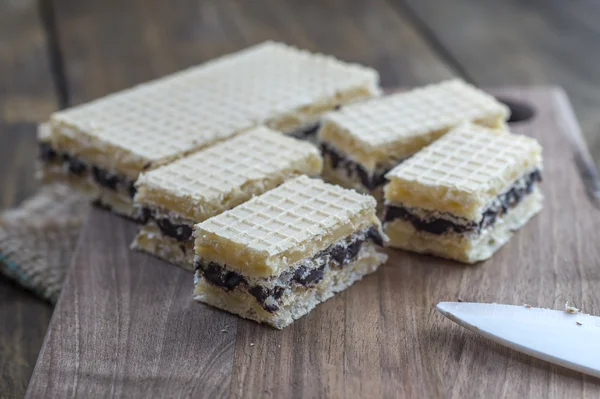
362	142
177	196
465	195
275	257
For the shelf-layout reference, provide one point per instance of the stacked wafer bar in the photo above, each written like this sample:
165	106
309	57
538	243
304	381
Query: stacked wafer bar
275	257
463	196
188	191
362	142
101	147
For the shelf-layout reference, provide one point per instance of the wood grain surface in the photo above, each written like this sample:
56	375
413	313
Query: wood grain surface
26	96
95	47
126	326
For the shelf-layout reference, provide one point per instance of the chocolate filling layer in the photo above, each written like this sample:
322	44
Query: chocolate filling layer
79	168
519	190
352	168
47	153
139	218
183	232
337	255
180	232
305	132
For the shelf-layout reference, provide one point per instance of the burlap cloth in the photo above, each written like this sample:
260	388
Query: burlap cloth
37	239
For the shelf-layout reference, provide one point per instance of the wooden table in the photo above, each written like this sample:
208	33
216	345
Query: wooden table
55	53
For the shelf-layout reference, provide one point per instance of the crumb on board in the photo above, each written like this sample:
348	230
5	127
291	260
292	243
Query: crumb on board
578	323
528	306
570	309
251	343
223	330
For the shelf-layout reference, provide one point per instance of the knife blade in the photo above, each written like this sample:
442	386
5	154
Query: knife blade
570	340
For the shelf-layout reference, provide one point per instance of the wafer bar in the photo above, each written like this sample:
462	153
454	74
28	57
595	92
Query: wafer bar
104	145
362	142
275	257
463	196
188	191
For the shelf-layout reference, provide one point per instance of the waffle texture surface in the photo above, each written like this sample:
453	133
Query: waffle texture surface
225	175
396	126
157	122
463	171
294	221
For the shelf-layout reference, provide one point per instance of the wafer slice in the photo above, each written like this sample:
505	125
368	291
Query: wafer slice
209	182
463	196
113	139
275	257
363	141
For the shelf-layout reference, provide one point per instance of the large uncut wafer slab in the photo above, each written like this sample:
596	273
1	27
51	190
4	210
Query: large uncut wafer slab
209	182
463	196
275	257
362	142
103	146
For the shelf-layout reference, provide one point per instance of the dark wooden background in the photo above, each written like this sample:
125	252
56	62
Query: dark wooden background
56	53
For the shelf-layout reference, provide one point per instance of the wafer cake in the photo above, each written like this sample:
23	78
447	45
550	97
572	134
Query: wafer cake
463	196
275	257
188	191
362	142
102	146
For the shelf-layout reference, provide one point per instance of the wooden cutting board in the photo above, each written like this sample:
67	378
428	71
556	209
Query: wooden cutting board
125	325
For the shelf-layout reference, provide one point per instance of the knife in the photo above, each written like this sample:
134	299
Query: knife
563	337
